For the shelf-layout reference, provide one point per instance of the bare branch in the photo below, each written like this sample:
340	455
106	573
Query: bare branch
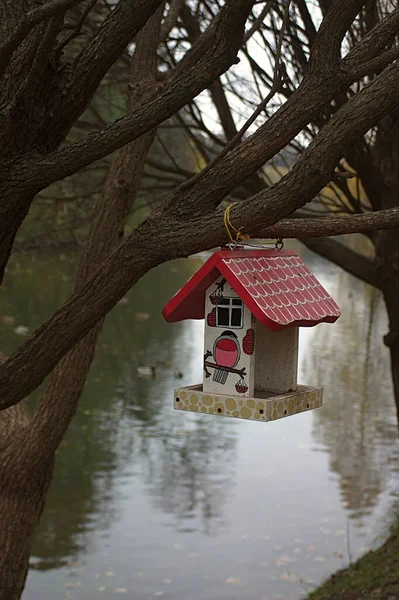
83	78
332	225
326	48
354	263
259	20
377	64
276	84
77	29
33	18
97	145
171	18
375	42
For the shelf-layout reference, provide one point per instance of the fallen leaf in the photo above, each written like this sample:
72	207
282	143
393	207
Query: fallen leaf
102	588
21	330
120	590
287	576
232	580
109	573
319	559
142	316
160	593
123	300
285	560
73	584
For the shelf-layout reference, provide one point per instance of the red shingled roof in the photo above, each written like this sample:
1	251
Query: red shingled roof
276	285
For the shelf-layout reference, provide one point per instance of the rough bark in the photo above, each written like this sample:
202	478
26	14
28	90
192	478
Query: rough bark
333	225
23	486
386	159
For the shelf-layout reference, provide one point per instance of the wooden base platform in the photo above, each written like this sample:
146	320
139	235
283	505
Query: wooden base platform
265	406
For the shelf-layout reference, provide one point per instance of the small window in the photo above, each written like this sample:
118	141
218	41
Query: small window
223	317
225	302
229	313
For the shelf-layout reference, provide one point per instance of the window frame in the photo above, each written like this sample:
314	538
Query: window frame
230	306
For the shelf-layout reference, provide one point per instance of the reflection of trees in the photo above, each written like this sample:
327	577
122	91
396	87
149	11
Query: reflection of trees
190	475
123	420
357	423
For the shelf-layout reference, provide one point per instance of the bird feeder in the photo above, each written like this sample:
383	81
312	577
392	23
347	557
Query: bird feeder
253	303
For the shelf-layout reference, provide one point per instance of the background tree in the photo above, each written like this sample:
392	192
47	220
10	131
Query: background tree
47	82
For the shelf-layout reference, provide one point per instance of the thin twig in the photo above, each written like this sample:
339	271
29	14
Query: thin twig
258	21
276	85
32	18
77	29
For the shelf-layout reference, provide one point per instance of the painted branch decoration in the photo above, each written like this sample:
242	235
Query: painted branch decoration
209	365
207	355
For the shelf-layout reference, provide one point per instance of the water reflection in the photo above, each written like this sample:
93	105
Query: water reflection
357	425
146	499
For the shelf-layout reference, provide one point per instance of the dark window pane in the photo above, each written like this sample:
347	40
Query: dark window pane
225	301
223	317
236	314
237	301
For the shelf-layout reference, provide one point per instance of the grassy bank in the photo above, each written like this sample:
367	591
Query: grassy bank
375	576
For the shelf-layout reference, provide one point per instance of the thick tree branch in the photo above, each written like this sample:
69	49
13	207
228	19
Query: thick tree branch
58	404
163	237
33	18
81	80
354	263
326	49
376	64
333	225
171	19
218	58
375	42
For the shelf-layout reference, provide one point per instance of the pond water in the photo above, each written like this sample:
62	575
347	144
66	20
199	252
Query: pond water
150	502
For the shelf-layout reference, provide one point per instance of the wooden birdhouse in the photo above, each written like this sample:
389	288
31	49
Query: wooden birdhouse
253	303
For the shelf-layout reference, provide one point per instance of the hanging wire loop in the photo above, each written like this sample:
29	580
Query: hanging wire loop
230	228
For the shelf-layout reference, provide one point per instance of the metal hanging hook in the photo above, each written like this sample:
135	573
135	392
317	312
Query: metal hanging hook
279	244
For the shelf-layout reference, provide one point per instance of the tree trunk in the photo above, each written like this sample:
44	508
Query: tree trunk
22	493
14	206
387	254
23	487
386	161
